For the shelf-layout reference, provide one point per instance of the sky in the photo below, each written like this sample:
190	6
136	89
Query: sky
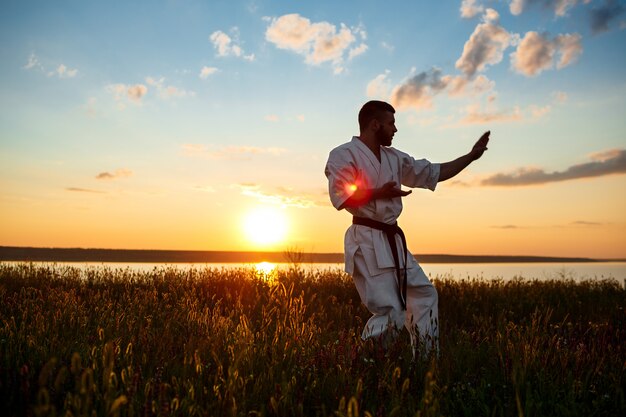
179	124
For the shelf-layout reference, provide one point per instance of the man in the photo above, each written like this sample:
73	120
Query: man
364	177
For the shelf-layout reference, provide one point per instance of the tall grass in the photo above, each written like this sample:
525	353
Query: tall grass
221	342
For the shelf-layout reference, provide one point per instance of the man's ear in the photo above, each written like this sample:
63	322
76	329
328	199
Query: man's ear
375	125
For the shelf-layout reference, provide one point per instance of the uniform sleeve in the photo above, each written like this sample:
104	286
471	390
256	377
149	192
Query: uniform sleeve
419	173
341	173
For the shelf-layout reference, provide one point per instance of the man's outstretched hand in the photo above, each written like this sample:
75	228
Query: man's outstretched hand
480	146
389	190
364	196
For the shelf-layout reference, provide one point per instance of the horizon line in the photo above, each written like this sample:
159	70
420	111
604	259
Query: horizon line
78	254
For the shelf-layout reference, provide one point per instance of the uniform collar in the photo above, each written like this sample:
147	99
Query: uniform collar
367	151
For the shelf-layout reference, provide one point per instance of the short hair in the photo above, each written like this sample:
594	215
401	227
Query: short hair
372	110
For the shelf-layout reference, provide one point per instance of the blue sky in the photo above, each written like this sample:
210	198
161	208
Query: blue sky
168	121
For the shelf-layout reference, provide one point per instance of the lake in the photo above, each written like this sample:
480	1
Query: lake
578	271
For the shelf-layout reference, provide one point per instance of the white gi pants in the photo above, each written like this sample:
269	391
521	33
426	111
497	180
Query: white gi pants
381	295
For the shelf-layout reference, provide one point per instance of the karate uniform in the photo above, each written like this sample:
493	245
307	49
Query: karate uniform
368	257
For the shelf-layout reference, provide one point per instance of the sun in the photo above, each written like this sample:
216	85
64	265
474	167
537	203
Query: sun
265	226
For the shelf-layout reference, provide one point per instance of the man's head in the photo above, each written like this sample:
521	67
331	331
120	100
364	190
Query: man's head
377	118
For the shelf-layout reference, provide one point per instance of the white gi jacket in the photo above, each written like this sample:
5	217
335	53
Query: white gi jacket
353	164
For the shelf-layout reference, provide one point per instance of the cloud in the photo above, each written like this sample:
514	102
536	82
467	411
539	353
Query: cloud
417	92
469	9
602	17
33	62
229	152
83	190
569	48
227	46
507	227
167	91
134	93
283	197
379	87
516	7
586	223
387	46
120	173
559	7
539	111
61	71
318	42
64	72
459	86
602	163
205	72
536	52
485	46
354	52
272	118
475	115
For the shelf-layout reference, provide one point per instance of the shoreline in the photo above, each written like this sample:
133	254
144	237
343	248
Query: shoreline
34	254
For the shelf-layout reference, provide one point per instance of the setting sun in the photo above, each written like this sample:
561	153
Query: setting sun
265	225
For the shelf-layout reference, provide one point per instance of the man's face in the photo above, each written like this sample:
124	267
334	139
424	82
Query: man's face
386	129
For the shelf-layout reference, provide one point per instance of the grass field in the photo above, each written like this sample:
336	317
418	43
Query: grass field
211	342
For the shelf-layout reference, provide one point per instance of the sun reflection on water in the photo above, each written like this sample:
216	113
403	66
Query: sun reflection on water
265	270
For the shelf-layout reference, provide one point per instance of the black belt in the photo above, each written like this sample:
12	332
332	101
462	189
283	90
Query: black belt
391	230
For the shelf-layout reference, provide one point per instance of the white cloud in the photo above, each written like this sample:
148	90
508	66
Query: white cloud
318	42
476	115
485	46
489	114
120	173
459	86
469	9
168	91
387	46
33	62
538	112
379	87
227	46
559	7
272	118
569	48
418	90
136	92
562	6
63	72
123	92
357	51
536	52
516	7
205	72
609	162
